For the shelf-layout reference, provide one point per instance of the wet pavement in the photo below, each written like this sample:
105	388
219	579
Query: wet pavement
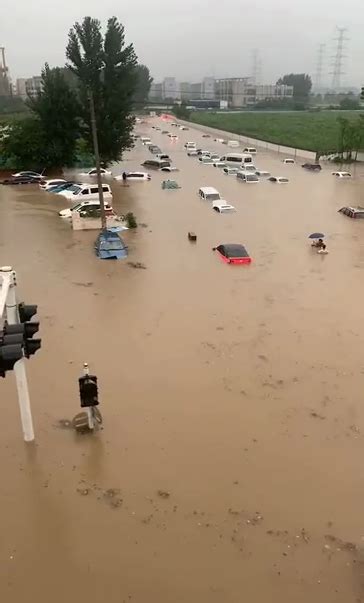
230	464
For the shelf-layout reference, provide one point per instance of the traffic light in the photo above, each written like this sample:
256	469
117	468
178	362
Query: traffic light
88	391
26	312
10	353
362	94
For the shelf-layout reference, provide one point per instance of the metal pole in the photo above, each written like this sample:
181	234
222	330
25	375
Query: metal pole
97	158
19	367
89	409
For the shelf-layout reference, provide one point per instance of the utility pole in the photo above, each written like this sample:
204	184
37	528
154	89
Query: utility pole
338	58
319	67
97	159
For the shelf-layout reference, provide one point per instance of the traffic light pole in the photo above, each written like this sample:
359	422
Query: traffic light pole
11	308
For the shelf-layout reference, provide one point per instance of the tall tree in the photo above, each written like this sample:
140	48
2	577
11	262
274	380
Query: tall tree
301	83
105	66
143	84
47	138
56	107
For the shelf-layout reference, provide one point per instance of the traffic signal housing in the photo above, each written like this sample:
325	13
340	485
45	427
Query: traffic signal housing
10	353
88	391
30	328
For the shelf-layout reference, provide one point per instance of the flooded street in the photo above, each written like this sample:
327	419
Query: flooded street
230	466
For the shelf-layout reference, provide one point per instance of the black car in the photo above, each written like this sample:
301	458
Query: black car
13	180
313	167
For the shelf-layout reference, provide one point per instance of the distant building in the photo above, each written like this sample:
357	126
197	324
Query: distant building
28	86
208	88
170	88
155	92
185	91
242	92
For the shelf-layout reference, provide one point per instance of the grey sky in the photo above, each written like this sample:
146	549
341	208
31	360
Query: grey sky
192	38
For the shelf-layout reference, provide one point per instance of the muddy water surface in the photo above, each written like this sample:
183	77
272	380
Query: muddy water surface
230	467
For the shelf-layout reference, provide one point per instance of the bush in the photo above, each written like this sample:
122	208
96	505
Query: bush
130	220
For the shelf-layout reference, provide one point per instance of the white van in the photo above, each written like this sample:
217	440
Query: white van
233	143
145	140
208	193
79	192
236	158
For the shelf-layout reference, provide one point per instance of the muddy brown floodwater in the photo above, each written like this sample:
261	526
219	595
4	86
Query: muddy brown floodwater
230	466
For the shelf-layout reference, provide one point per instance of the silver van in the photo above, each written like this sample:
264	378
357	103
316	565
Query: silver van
208	193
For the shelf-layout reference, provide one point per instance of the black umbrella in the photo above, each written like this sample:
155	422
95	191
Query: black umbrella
317	235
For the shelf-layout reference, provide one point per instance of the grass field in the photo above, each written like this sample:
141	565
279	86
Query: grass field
301	130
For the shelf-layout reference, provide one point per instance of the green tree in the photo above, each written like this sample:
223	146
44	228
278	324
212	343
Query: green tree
48	137
26	146
349	104
301	83
143	84
105	67
181	111
56	107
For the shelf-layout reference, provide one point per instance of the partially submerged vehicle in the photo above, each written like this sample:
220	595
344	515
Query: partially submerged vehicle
313	167
233	253
352	212
110	246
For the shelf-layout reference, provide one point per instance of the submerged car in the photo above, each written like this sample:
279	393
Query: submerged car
83	205
289	160
313	167
110	246
206	160
62	187
14	180
219	164
247	177
134	176
233	253
93	172
352	212
231	171
222	206
192	153
279	179
169	168
262	173
50	183
28	173
341	174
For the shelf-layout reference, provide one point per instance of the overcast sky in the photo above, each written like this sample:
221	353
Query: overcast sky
192	38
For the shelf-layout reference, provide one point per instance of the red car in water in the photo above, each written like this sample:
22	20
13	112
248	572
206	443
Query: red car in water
233	253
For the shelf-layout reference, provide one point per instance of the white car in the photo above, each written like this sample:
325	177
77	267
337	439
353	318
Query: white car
215	156
169	168
29	173
192	153
173	136
190	145
219	164
288	160
134	176
205	160
48	183
218	140
250	150
262	173
222	206
231	171
278	179
67	213
247	177
183	128
249	167
93	172
341	174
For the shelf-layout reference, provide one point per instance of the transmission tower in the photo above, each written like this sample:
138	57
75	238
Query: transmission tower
256	71
338	57
319	66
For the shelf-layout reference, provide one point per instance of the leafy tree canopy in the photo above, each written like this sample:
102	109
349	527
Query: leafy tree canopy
301	83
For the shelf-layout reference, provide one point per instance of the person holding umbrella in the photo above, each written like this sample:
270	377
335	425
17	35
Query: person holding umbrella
318	241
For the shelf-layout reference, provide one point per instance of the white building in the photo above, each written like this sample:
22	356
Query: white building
170	88
28	86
